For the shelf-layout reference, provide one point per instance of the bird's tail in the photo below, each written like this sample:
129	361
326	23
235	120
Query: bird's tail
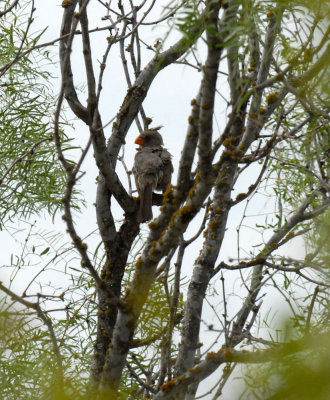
145	210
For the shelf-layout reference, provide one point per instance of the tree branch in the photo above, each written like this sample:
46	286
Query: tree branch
177	386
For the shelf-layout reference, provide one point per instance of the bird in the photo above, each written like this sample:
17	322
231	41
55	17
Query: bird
152	169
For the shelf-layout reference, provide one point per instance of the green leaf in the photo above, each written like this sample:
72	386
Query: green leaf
45	251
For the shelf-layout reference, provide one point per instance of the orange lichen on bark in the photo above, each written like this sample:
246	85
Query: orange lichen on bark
253	115
153	247
66	3
260	259
229	154
213	224
153	225
192	190
168	191
138	263
222	173
210	355
240	196
228	351
167	386
271	98
231	141
135	342
182	211
194	369
289	236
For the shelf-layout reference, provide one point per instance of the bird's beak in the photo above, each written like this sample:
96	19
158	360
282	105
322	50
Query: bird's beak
139	141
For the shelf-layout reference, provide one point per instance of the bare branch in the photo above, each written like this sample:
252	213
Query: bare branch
177	386
9	8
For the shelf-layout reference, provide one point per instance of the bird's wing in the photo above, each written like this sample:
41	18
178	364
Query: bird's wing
166	159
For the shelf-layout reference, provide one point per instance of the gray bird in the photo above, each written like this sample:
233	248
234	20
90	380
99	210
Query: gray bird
152	170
